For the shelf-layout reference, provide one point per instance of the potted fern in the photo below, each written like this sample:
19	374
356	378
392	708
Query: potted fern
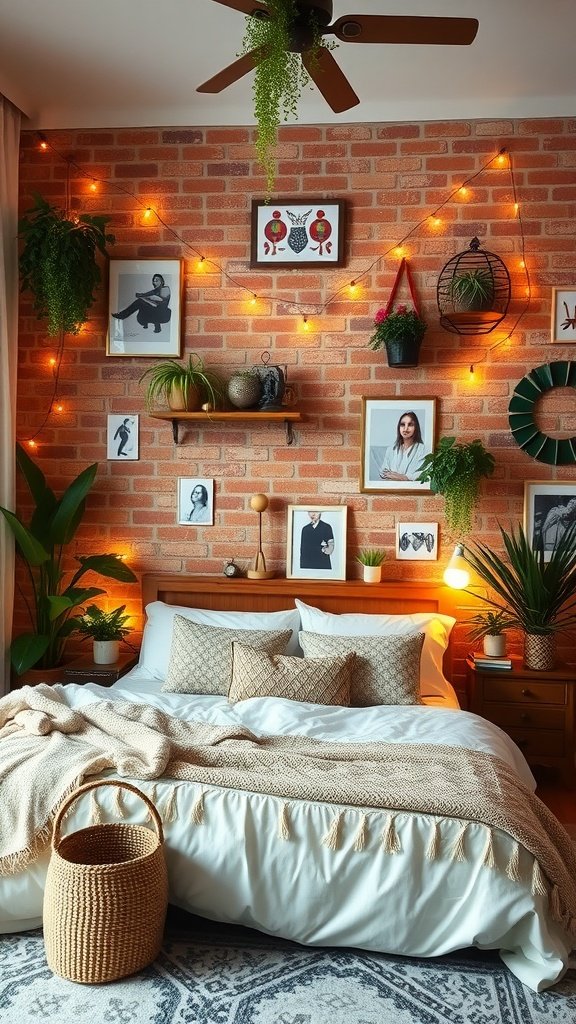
106	630
59	265
454	470
182	386
371	559
537	596
41	546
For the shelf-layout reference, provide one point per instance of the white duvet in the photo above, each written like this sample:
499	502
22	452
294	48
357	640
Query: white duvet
236	867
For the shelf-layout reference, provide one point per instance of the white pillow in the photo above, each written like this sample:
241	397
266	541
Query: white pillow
436	629
157	638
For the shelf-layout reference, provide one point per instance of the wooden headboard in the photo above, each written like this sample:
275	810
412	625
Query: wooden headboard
223	594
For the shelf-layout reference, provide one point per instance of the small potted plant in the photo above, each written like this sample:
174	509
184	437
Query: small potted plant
472	290
106	629
182	386
400	332
371	559
454	470
490	628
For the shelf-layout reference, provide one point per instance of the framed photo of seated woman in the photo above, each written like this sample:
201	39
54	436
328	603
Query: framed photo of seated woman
144	308
397	433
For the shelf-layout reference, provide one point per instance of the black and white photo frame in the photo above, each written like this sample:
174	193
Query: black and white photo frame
195	501
417	542
122	437
145	307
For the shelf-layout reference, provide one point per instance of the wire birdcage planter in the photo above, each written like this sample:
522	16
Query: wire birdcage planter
473	291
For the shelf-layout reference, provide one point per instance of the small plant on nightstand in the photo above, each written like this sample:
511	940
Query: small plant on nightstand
371	559
490	628
106	629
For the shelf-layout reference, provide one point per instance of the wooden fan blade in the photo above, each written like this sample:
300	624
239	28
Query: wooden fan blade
330	79
244	6
234	71
384	28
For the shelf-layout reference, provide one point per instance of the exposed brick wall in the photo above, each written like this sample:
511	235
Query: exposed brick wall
202	181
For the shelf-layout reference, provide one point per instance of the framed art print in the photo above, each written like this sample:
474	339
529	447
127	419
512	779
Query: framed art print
297	233
122	438
195	501
563	326
316	542
396	435
549	509
417	541
144	308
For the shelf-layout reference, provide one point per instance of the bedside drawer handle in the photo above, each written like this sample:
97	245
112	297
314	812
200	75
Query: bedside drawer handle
526	693
524	717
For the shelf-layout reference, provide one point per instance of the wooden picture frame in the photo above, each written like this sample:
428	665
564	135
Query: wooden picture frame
316	542
384	464
144	308
563	319
297	232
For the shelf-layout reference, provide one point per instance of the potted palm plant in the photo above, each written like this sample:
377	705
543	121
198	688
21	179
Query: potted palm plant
41	546
59	265
400	331
454	470
182	386
106	630
490	627
538	596
371	559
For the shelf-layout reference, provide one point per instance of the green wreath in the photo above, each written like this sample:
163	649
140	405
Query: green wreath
552	450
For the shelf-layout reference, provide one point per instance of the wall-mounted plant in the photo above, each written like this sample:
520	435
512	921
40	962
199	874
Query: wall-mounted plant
472	289
454	470
59	265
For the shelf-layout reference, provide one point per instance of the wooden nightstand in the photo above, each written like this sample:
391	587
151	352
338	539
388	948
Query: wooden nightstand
83	670
536	709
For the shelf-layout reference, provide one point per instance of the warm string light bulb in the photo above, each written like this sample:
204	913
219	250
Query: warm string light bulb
436	222
399	252
352	288
147	213
305	324
471	372
93	186
200	264
463	191
32	444
43	145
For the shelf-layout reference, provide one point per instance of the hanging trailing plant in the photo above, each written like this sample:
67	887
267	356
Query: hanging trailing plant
454	470
280	77
58	263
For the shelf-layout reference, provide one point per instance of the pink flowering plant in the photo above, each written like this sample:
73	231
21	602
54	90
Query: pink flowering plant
400	323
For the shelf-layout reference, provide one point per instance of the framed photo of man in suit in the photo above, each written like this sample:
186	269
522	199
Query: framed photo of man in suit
316	542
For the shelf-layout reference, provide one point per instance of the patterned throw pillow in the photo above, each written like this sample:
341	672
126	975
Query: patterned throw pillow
201	656
256	673
386	670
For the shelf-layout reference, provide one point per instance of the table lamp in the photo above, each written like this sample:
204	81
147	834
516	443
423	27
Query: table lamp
259	503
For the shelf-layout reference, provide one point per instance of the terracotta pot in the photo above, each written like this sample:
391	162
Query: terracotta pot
539	651
495	645
372	573
178	403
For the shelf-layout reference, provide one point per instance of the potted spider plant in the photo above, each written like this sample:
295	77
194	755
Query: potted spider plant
371	560
454	470
490	627
106	630
59	265
182	386
472	290
538	596
41	546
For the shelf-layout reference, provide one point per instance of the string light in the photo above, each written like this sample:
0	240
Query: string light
147	213
32	443
472	373
254	299
399	252
463	191
94	186
305	324
516	208
352	287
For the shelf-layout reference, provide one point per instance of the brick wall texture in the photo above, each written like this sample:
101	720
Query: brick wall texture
199	183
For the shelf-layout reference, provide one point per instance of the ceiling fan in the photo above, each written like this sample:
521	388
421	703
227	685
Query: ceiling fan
313	18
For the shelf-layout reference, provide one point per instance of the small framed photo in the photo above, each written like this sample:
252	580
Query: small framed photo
396	435
417	542
144	308
549	509
316	542
297	233
122	438
563	327
195	501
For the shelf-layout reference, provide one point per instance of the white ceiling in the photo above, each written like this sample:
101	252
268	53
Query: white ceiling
118	63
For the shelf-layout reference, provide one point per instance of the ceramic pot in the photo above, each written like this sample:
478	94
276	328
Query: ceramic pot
105	652
539	651
244	390
178	403
402	352
372	573
494	645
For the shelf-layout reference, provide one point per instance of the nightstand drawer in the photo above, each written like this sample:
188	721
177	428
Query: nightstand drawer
525	691
538	742
525	717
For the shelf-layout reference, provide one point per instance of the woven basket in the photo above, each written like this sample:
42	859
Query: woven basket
106	896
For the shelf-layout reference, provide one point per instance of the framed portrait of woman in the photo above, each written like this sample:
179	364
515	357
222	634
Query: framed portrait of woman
195	501
144	307
396	435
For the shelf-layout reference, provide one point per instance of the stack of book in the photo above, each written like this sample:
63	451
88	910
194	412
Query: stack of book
482	660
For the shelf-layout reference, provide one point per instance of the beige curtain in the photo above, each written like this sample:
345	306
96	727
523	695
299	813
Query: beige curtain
9	145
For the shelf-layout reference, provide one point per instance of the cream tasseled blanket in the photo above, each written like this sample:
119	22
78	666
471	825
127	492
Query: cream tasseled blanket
47	749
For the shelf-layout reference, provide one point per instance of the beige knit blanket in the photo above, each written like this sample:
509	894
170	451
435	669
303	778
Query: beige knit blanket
48	748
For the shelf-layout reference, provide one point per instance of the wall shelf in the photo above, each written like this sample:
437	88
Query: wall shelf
282	416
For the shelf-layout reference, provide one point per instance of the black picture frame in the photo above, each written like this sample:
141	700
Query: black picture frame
316	227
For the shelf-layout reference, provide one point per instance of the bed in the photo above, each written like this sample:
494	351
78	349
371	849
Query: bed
390	874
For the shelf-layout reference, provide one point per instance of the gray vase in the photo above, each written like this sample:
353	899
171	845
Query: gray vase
244	390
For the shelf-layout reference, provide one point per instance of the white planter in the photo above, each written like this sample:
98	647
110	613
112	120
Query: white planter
495	645
372	573
105	652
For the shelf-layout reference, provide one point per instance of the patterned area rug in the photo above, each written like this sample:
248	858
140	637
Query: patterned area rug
215	974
